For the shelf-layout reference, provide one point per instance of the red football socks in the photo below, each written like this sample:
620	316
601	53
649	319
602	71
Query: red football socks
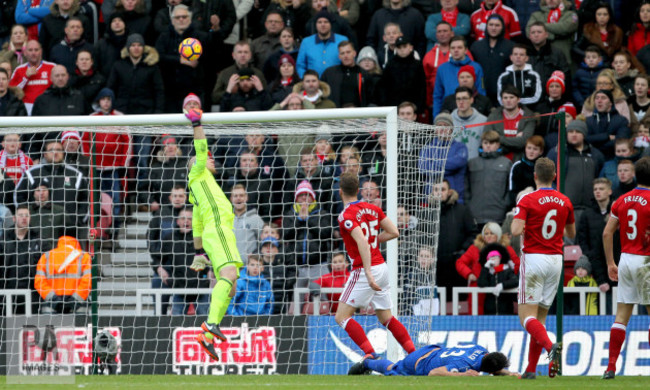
358	335
616	339
538	332
401	335
534	351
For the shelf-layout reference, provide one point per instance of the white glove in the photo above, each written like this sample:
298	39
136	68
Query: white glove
497	289
200	262
489	264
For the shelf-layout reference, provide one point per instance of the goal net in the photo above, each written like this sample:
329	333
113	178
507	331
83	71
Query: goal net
97	240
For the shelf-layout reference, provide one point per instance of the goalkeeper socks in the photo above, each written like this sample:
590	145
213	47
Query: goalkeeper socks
538	332
401	334
356	333
534	352
379	365
219	301
616	339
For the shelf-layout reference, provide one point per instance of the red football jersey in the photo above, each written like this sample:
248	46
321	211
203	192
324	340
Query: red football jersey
35	85
633	214
546	212
367	217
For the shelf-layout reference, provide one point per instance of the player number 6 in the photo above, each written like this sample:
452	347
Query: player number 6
550	226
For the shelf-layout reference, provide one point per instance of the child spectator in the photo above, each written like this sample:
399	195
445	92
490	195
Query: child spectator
642	136
325	153
623	150
254	295
584	81
582	278
522	172
103	103
386	52
13	161
281	275
498	272
336	278
270	230
418	284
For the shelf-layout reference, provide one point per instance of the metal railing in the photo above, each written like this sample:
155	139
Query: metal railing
157	293
9	294
583	291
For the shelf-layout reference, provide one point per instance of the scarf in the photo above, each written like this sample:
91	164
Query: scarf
88	74
287	82
21	156
554	15
450	17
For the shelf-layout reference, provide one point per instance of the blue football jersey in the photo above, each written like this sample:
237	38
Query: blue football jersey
460	358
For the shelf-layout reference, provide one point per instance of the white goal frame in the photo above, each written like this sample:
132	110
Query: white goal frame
389	114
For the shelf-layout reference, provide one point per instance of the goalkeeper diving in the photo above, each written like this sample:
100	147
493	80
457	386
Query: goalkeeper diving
214	238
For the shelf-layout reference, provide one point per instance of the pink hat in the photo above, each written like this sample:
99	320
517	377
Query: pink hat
70	134
191	98
493	254
556	77
305	187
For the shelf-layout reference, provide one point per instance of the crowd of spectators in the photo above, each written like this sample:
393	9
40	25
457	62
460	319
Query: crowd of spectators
488	66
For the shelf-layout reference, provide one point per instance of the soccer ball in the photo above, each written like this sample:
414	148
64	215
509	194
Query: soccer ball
190	49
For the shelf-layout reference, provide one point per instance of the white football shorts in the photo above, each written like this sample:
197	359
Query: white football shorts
539	277
634	279
358	293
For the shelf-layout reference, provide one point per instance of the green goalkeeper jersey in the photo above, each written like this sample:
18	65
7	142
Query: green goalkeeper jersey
212	209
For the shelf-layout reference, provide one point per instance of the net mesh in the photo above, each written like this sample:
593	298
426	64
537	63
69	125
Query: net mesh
132	217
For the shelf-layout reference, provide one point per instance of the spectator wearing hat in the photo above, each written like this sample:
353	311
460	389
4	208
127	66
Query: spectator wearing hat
71	141
103	103
570	114
320	51
340	25
431	156
60	98
65	51
312	89
446	76
584	79
583	164
449	13
515	123
552	100
282	86
582	278
606	125
498	272
607	81
561	22
47	217
368	61
85	77
281	275
409	19
107	50
467	79
245	89
478	19
243	56
180	76
522	76
347	81
307	234
52	30
137	17
467	117
486	195
266	44
403	78
493	53
288	46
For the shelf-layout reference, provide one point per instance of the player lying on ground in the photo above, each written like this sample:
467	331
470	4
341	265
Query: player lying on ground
214	239
433	360
631	214
360	225
543	217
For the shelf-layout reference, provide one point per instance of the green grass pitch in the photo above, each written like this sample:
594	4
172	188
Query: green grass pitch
311	382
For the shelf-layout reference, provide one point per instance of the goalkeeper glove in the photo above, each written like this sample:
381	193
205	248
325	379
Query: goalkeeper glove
194	115
200	261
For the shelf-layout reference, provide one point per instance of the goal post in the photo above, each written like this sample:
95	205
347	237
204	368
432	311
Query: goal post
123	280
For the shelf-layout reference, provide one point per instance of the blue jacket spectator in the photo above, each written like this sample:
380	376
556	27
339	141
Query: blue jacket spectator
254	294
456	163
31	16
462	26
606	122
447	75
320	51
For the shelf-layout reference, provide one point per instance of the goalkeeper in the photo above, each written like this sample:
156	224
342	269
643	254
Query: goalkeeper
214	239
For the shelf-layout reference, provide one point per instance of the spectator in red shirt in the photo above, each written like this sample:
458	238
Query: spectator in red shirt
33	77
336	278
478	20
640	34
13	161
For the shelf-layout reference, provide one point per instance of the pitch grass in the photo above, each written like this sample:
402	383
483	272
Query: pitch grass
313	382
